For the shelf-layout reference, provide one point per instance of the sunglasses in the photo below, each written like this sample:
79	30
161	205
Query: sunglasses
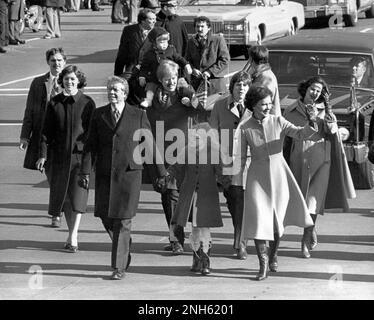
171	5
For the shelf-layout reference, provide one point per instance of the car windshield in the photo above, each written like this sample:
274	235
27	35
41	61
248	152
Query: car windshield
335	68
225	2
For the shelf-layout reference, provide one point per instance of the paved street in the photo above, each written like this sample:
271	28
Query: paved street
34	266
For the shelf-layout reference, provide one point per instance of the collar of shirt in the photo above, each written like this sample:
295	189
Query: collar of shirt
118	107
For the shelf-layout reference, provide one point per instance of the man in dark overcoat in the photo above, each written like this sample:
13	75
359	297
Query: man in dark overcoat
132	40
209	57
42	88
16	14
4	25
113	147
169	20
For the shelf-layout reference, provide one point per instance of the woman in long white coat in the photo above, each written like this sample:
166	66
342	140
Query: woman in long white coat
272	198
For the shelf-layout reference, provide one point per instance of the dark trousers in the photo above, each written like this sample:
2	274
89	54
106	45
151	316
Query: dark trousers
108	225
121	243
4	24
235	203
169	201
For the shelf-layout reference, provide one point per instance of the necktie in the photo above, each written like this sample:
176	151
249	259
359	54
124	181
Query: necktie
240	108
55	87
116	115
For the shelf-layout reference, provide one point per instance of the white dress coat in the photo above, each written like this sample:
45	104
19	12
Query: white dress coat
271	191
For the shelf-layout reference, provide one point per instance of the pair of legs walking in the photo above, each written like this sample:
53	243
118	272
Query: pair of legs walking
169	201
73	219
119	231
235	203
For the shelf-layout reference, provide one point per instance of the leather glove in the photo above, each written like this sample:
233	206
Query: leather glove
161	183
84	181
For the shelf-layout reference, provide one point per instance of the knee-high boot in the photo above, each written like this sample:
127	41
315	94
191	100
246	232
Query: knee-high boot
314	241
196	261
205	261
305	242
273	254
262	253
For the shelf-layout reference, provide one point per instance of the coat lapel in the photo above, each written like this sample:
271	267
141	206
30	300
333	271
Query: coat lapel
107	117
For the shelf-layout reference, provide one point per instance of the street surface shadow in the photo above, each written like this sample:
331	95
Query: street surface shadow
105	56
331	255
50	269
363	212
339	239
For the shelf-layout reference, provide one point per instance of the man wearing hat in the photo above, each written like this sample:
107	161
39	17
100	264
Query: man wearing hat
168	19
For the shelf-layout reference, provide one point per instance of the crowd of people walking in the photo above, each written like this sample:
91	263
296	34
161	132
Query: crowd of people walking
274	170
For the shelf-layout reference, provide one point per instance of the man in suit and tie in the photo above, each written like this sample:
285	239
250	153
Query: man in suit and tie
42	88
227	113
113	146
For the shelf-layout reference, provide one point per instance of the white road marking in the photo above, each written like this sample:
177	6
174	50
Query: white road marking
32	39
19	80
366	30
10	124
26	89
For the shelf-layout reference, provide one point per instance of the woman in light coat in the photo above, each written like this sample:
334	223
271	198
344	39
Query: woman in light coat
313	162
272	198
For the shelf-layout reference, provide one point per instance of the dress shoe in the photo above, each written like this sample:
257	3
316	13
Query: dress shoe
97	9
47	36
2	50
21	41
70	248
241	253
117	275
169	247
177	248
13	42
56	222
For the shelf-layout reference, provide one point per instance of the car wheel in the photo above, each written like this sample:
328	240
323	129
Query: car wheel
370	12
362	174
350	20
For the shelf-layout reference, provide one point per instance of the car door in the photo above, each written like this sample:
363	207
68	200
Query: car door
277	22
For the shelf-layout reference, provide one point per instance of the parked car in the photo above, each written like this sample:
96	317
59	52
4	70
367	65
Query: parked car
349	9
245	22
331	55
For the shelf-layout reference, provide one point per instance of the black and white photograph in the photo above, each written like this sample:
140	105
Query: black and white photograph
186	156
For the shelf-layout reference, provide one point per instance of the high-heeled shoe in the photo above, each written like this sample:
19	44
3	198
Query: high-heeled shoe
71	248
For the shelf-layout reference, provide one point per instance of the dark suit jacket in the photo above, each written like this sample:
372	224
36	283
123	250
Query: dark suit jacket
33	118
129	47
112	148
214	57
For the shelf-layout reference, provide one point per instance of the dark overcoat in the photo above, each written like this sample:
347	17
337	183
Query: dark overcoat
199	193
213	57
64	132
33	118
128	50
16	10
177	29
117	173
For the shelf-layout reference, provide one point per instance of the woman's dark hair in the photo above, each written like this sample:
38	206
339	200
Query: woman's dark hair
255	94
201	19
51	52
72	69
304	85
238	77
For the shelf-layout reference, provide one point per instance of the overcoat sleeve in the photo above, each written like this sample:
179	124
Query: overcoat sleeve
223	58
28	116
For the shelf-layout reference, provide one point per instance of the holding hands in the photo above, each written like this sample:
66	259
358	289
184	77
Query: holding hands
84	181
